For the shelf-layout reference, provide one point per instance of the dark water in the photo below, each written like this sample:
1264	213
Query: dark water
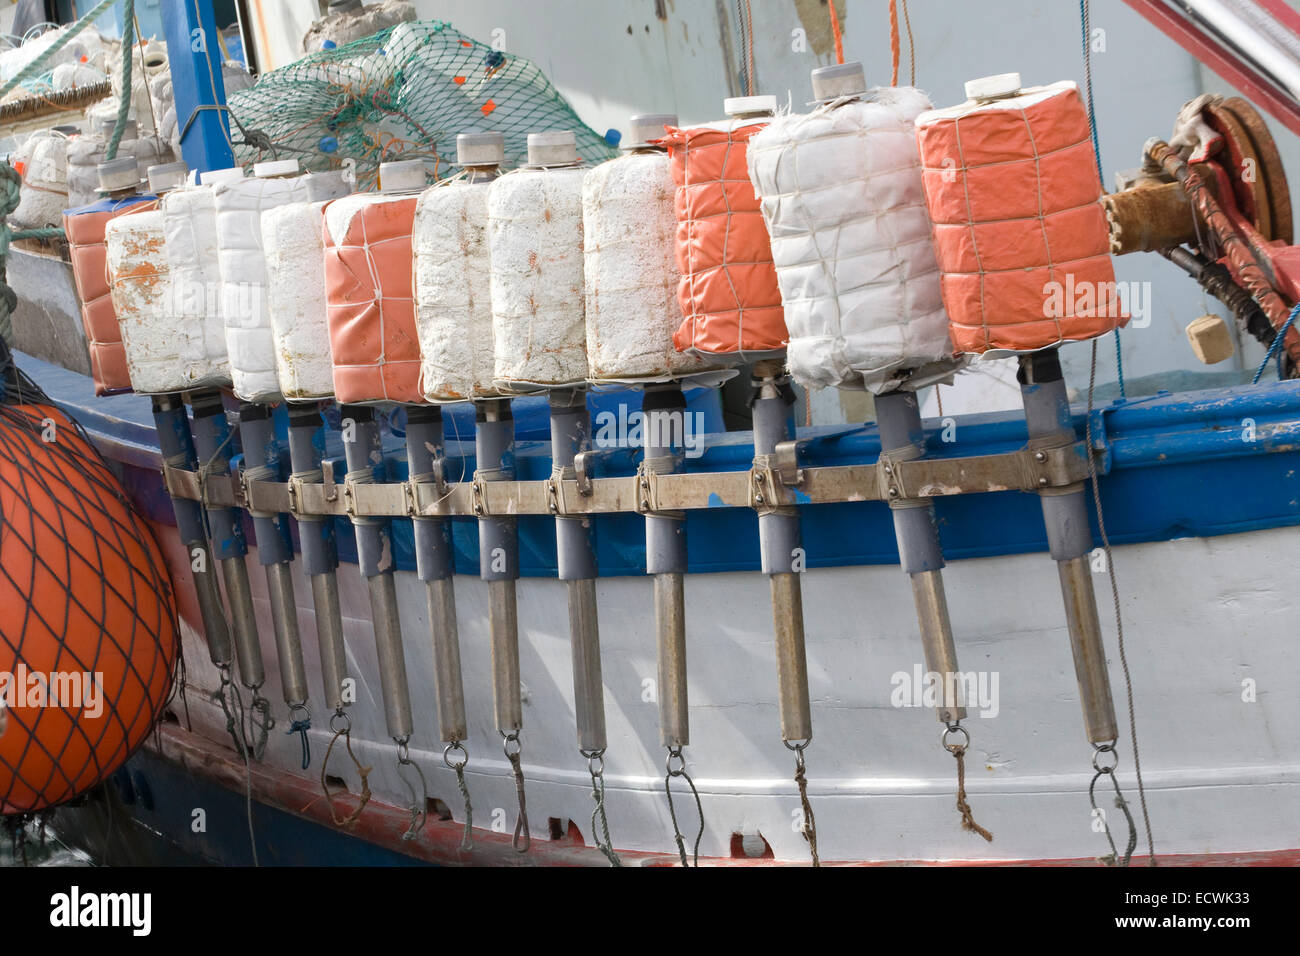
28	846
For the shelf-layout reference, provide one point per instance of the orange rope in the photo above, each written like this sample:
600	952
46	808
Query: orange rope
835	32
893	42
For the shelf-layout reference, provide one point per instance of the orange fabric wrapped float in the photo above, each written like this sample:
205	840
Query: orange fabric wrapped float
370	299
85	231
1013	194
88	634
731	304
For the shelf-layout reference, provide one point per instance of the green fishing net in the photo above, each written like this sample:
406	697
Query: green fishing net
402	93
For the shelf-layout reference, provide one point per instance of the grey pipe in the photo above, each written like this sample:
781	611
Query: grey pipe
1069	538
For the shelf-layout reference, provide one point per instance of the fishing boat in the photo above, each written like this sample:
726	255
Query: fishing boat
1105	649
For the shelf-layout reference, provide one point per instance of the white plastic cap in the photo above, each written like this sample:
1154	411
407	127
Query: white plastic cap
167	176
736	105
278	167
215	177
841	79
480	149
120	173
402	176
646	127
993	87
552	148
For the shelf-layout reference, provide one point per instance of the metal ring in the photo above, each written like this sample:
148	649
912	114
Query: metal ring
507	739
296	709
403	749
595	759
347	722
955	729
675	753
798	745
455	745
1097	751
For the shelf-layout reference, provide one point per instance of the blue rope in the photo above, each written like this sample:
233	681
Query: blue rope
1275	348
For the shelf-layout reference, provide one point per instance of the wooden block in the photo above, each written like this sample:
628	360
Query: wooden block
1211	339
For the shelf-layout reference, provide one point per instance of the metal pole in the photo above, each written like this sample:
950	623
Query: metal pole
1069	538
664	422
212	441
375	557
435	564
498	552
902	438
275	553
576	556
177	447
780	548
319	551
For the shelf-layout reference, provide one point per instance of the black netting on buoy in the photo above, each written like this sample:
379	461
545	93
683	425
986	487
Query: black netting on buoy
84	590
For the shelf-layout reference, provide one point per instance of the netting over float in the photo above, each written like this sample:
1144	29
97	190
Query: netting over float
405	92
88	632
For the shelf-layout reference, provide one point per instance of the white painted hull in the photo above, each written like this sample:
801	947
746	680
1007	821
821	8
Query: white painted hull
1202	617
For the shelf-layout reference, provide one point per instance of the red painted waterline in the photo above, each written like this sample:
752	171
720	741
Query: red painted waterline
439	841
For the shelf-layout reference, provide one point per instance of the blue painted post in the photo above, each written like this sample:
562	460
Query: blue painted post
195	61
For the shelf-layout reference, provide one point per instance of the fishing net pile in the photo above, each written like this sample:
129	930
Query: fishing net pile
405	92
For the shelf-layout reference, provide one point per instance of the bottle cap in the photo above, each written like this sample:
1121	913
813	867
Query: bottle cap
842	79
646	127
738	105
552	148
167	176
279	167
993	87
480	149
402	176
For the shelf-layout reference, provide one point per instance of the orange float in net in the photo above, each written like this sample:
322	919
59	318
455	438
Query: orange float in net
83	591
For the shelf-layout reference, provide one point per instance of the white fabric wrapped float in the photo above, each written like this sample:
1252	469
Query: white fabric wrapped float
453	294
162	354
535	235
44	192
293	240
631	274
189	217
842	199
244	275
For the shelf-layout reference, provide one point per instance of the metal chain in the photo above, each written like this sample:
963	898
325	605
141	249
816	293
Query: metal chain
467	840
675	753
599	820
522	839
958	750
345	731
1109	771
1119	618
419	802
809	821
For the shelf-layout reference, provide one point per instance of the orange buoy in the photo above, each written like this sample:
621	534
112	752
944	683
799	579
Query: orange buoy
88	630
